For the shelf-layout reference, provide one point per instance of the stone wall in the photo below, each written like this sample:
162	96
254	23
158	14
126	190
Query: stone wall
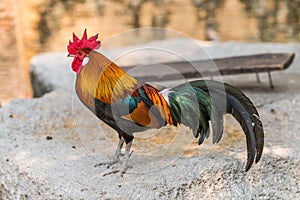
12	74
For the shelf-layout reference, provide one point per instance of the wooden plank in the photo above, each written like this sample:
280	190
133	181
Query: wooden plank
222	66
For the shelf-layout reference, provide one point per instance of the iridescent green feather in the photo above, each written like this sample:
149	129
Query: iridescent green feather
191	107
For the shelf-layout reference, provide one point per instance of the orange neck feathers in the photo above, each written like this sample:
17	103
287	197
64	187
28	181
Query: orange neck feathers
104	80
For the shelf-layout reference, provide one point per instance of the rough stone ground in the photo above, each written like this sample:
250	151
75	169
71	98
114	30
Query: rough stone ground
49	145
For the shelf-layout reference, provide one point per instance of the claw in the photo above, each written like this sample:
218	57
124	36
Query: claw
125	164
121	171
109	163
116	157
111	172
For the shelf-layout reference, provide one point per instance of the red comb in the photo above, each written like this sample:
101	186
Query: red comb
83	43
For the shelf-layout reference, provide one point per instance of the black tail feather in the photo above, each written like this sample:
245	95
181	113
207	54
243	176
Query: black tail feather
244	111
242	116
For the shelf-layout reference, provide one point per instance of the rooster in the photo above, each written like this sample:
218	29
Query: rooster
129	105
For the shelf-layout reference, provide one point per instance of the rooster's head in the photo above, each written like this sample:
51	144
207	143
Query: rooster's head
80	48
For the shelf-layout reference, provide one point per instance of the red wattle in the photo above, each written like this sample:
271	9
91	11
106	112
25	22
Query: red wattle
76	65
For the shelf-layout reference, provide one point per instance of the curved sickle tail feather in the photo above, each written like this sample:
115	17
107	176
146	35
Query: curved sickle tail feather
242	109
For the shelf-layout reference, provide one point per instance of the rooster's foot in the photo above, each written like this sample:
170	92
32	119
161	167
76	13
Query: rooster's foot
125	164
108	163
121	171
116	157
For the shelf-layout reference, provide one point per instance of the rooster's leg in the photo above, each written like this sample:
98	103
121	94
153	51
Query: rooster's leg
125	164
118	150
116	157
127	156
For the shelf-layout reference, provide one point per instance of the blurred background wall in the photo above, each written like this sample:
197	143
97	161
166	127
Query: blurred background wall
29	27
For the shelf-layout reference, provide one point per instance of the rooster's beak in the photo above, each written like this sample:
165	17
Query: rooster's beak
70	55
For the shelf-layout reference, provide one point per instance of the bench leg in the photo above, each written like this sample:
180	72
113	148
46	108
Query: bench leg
270	80
257	77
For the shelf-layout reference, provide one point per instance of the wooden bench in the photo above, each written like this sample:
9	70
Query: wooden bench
222	66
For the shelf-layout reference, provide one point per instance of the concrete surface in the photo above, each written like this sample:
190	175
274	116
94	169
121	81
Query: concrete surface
49	145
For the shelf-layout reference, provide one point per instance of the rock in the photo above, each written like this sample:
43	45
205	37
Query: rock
50	71
36	168
33	166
